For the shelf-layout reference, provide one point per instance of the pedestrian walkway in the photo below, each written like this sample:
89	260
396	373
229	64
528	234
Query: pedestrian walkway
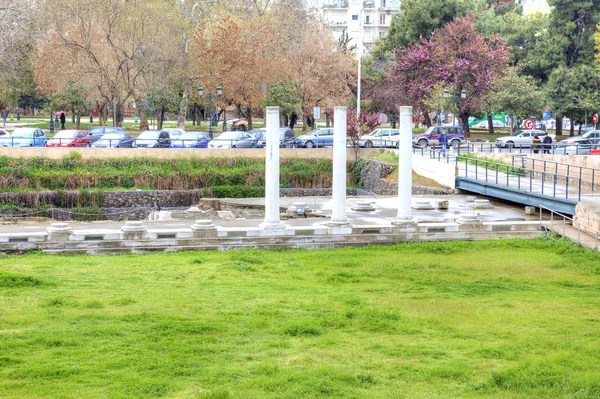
577	235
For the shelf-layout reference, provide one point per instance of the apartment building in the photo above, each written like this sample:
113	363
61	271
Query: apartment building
345	15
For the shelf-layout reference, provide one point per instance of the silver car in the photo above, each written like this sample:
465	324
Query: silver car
233	140
380	138
574	146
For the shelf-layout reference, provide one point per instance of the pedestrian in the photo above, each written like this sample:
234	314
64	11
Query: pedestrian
443	140
547	144
4	112
62	120
535	144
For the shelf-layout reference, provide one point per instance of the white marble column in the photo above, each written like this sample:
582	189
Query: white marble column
404	218
272	220
338	216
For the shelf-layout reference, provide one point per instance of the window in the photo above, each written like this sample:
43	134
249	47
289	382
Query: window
355	17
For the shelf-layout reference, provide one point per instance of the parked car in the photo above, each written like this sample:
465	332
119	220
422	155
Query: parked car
175	133
24	137
233	140
114	140
380	138
191	140
593	136
521	138
316	138
574	146
257	134
286	139
153	139
98	132
484	124
454	135
4	133
69	138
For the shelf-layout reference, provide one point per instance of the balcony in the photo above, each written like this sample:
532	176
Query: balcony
336	5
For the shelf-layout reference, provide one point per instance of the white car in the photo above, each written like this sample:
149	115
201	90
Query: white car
380	138
521	139
574	146
175	133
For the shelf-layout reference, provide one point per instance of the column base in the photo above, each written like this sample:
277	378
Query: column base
405	223
338	223
272	226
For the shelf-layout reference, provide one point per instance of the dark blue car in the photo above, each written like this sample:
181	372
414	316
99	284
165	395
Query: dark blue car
191	140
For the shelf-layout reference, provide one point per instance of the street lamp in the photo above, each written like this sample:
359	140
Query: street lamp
455	100
210	97
367	3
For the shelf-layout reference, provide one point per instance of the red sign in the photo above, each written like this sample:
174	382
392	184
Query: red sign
529	124
595	118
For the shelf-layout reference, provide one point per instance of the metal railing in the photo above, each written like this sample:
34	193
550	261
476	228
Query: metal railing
551	149
522	178
573	223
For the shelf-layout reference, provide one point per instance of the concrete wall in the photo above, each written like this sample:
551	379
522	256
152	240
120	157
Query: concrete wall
442	173
174	153
587	213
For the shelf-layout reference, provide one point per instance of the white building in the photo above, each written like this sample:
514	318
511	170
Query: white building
534	6
344	15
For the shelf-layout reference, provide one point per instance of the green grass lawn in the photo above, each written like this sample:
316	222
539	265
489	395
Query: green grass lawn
498	319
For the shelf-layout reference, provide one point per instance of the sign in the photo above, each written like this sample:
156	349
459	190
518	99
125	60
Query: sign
383	119
529	124
546	114
595	118
317	113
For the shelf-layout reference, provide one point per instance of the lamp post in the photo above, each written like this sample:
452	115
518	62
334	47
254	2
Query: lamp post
455	100
210	97
19	109
367	3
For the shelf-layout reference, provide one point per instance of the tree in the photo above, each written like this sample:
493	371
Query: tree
597	38
460	57
73	97
108	45
17	40
241	56
322	72
357	127
516	94
417	19
158	101
573	91
283	95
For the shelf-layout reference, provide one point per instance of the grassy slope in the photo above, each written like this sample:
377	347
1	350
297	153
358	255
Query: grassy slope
506	319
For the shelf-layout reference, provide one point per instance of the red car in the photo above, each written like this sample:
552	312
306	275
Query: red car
69	138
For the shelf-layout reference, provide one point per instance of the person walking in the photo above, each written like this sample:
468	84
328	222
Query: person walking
443	139
4	114
62	120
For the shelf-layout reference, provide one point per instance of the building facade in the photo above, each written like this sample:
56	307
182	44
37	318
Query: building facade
534	6
345	16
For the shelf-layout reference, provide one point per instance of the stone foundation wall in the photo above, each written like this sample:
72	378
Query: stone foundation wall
148	198
587	213
373	178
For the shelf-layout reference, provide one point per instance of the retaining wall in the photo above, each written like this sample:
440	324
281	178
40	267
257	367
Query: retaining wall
174	153
373	179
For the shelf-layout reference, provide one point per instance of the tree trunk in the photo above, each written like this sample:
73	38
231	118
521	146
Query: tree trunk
183	105
463	119
490	123
159	122
249	117
78	120
283	120
427	118
572	130
143	120
328	119
293	120
559	127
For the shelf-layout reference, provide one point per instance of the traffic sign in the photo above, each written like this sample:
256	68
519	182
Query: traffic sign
529	124
546	114
595	118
